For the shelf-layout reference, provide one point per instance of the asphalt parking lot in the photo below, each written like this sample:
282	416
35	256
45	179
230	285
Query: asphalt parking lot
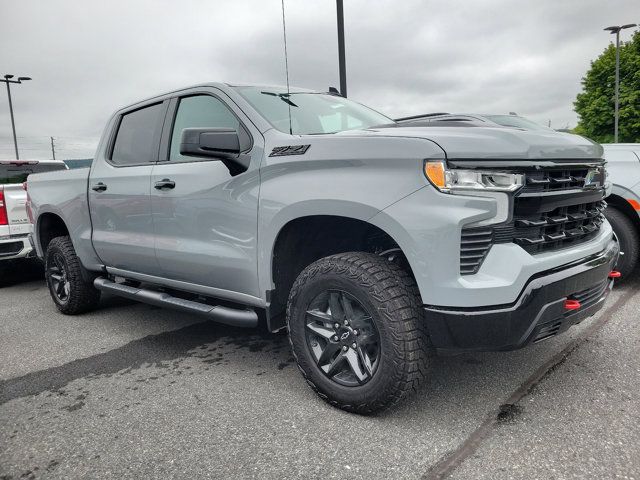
132	391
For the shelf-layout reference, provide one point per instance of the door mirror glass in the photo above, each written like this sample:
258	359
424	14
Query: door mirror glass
210	142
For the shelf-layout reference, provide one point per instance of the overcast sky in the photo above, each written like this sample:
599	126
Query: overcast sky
88	57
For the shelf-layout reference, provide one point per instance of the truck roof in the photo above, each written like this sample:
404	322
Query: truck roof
222	86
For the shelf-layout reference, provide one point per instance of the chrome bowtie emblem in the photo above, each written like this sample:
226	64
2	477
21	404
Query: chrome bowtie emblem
591	180
344	336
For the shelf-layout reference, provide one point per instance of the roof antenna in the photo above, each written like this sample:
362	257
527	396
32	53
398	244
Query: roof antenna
286	66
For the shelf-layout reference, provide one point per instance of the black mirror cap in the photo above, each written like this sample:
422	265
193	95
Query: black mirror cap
210	142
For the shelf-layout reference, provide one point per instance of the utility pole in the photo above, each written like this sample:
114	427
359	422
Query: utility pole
616	30
53	149
341	57
7	80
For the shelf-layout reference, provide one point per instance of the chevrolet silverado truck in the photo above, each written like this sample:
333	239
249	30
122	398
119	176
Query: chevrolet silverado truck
371	242
15	248
623	204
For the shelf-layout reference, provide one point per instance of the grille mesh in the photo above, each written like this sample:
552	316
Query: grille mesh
559	228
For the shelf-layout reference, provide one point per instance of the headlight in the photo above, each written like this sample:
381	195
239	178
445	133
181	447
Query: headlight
453	180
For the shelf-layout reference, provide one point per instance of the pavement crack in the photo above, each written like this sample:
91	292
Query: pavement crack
453	459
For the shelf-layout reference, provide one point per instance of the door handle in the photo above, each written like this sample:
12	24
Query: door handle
99	187
164	183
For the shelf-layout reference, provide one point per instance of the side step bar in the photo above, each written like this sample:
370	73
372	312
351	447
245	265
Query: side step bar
217	313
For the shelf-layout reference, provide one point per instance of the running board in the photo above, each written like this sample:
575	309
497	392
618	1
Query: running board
217	313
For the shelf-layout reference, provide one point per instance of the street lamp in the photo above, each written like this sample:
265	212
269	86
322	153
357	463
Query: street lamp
616	30
341	57
7	80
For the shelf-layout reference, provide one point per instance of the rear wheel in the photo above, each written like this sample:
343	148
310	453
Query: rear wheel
63	272
628	238
357	331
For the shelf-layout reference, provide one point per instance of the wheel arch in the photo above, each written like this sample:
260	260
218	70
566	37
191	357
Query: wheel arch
302	240
49	226
623	206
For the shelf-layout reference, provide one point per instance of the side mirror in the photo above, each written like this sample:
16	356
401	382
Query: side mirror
222	143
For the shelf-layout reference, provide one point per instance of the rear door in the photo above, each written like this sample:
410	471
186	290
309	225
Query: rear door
119	191
206	225
13	197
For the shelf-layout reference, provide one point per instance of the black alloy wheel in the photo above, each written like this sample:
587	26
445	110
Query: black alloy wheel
342	338
57	276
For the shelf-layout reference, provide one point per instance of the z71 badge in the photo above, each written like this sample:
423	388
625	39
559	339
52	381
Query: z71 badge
289	150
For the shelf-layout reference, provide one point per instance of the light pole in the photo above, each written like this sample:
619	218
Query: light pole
616	30
7	80
341	57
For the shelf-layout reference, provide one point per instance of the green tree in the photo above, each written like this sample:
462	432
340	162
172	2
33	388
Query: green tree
595	105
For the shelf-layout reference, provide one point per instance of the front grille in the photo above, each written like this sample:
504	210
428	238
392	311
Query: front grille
557	179
556	208
559	228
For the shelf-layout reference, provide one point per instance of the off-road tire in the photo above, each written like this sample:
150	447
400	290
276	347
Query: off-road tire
392	299
83	296
629	240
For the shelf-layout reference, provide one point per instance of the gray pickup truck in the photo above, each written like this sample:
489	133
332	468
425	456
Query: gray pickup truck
371	242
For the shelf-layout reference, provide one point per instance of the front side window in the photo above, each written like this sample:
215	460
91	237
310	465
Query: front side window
200	111
135	141
311	113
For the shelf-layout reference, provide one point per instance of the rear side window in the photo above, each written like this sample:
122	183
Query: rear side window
136	141
18	172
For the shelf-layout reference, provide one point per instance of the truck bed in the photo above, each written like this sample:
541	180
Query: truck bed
64	193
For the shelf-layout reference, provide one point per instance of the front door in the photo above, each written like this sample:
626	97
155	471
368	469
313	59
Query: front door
205	217
119	193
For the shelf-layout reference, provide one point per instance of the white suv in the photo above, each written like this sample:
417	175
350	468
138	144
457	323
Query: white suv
15	225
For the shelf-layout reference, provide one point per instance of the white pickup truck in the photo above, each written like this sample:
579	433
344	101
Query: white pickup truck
15	225
623	211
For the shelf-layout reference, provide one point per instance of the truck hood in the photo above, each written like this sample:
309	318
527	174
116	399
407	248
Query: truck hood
497	143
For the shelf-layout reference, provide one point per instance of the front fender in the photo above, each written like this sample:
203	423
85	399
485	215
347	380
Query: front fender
269	231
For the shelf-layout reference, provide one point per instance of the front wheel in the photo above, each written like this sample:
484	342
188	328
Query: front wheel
357	331
63	272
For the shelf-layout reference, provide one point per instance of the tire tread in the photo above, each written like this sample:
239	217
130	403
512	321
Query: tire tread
84	297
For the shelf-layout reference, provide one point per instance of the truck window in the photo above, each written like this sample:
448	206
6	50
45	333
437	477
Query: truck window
135	140
17	172
311	113
200	111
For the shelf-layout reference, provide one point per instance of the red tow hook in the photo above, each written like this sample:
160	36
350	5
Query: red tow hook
571	304
614	274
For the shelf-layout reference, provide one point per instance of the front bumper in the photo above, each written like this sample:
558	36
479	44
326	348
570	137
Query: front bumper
14	247
538	313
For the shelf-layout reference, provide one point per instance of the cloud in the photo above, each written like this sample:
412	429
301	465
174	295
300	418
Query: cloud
88	58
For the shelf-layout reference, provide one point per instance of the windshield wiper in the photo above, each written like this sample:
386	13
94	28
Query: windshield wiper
282	96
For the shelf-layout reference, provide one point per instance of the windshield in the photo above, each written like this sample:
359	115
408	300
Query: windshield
311	113
17	171
515	121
